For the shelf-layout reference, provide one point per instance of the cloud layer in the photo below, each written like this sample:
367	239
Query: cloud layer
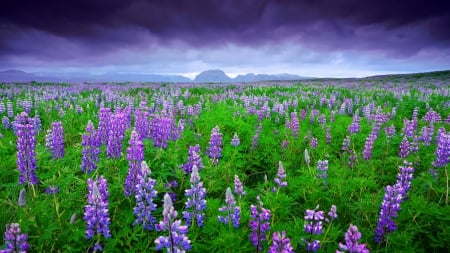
188	36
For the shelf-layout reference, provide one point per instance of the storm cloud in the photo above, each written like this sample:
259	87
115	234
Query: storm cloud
117	34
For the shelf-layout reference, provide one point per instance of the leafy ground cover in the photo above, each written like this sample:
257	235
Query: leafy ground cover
348	165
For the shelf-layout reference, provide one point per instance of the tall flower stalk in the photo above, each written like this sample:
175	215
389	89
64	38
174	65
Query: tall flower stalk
26	145
176	241
196	203
259	224
215	145
231	211
90	153
14	240
145	193
96	213
135	156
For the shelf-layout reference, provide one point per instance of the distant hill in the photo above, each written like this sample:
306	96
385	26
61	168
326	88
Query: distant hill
20	76
218	76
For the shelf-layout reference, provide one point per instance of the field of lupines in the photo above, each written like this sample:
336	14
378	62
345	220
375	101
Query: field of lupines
318	166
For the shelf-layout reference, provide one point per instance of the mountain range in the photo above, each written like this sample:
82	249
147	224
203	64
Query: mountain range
209	76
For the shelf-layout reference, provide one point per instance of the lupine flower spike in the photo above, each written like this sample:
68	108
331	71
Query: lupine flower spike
15	241
196	203
176	241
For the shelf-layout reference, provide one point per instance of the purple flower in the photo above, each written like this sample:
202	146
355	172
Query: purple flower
162	129
141	124
215	145
235	141
194	158
294	124
281	176
346	144
333	212
176	241
328	135
90	152
52	190
259	224
135	156
368	147
322	168
390	131
145	193
96	211
116	135
354	126
280	243
238	187
352	236
6	123
14	240
104	116
231	210
442	150
26	144
404	148
313	143
55	140
196	203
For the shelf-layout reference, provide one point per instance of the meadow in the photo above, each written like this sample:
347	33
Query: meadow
354	165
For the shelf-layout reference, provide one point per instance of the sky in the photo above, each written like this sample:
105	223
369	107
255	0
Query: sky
310	38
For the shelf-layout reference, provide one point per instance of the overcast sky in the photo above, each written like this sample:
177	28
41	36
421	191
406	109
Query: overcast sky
309	38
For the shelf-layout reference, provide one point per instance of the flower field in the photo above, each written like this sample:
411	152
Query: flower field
348	165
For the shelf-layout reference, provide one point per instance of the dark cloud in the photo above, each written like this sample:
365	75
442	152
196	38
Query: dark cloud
85	29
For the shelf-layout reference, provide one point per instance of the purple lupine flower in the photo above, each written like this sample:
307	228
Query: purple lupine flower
333	212
96	212
162	129
284	144
427	135
346	144
390	131
104	124
352	236
26	144
230	210
14	240
368	147
442	150
255	139
312	246
135	156
414	147
6	123
294	124
9	108
404	179
196	203
389	208
281	177
238	187
141	123
259	224
322	168
90	152
52	190
215	145
57	140
328	135
404	148
176	241
280	243
145	193
352	158
194	158
169	186
354	126
235	141
116	135
313	143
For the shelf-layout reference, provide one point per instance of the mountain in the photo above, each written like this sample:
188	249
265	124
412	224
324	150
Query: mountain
212	76
18	76
218	76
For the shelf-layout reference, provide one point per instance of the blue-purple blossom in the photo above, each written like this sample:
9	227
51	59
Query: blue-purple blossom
294	124
176	239
238	187
26	144
55	140
116	135
259	224
104	125
404	148
280	243
135	156
314	142
354	126
390	131
322	169
96	213
14	240
442	149
145	193
231	211
52	190
90	152
194	158
280	179
352	245
196	203
235	141
215	145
